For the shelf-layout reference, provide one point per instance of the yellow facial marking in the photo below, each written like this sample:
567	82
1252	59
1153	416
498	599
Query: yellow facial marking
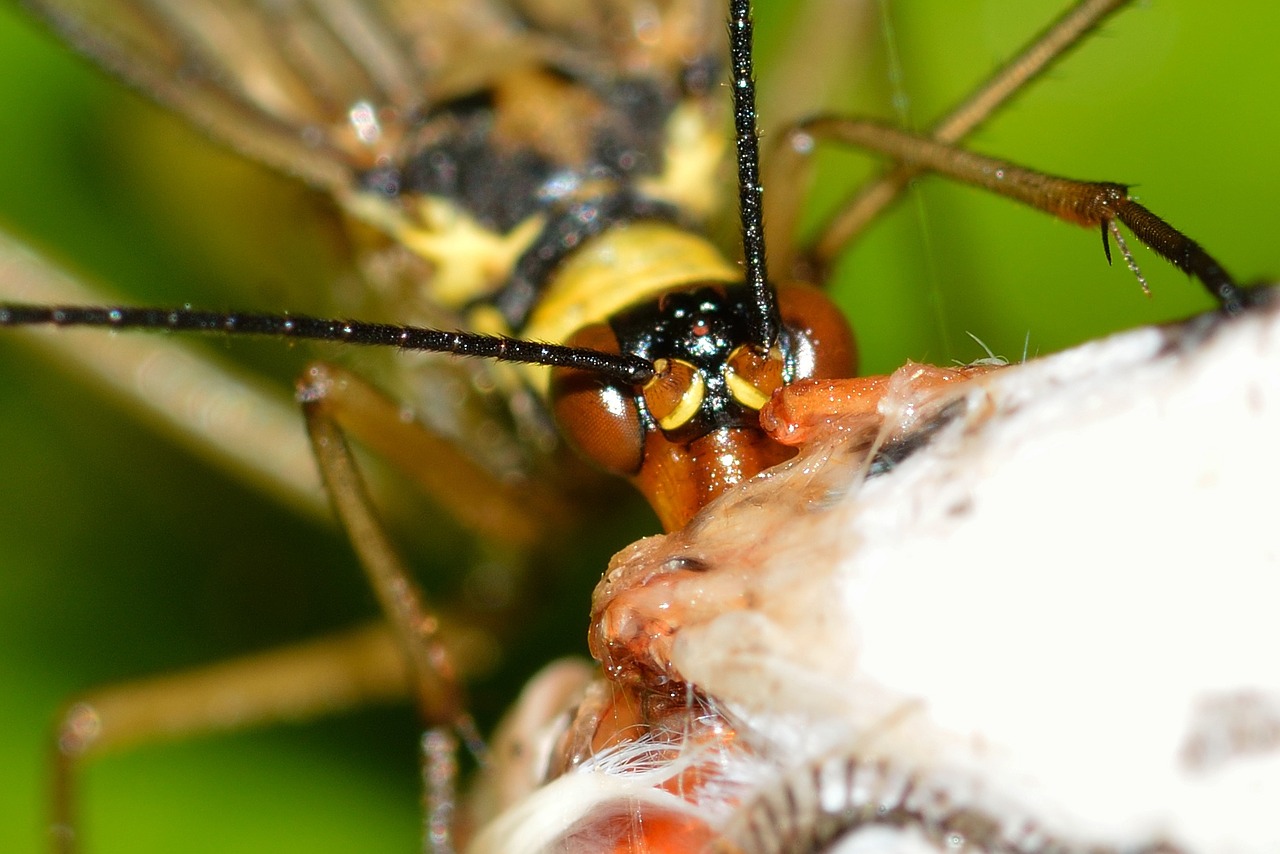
675	393
751	378
471	260
744	392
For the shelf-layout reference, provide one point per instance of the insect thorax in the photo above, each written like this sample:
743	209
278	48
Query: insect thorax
497	187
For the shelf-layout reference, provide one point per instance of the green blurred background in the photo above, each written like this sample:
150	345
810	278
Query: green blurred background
121	556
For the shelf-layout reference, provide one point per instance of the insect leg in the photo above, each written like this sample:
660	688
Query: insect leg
432	673
343	671
520	515
861	208
1086	203
333	400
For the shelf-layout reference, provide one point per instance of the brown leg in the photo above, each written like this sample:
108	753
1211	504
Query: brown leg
520	515
333	399
344	671
433	679
861	208
416	652
1092	204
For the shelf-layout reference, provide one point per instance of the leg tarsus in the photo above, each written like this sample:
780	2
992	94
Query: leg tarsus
1109	225
1085	203
1185	254
321	676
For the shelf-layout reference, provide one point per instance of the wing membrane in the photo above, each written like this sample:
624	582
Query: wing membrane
242	104
278	79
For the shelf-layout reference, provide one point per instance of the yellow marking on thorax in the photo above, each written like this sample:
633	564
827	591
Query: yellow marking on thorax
624	266
469	260
693	155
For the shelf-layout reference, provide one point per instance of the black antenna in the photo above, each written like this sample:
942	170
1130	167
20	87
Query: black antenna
628	369
764	322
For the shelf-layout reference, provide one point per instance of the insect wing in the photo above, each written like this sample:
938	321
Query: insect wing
212	63
281	82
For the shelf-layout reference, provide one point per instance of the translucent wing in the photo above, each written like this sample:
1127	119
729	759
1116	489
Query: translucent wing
323	88
276	80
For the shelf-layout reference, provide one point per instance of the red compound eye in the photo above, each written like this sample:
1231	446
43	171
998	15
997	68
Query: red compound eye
823	342
597	416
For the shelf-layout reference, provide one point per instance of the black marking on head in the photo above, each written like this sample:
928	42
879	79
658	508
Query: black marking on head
701	326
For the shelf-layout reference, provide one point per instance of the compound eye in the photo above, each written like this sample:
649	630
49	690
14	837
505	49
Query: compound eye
752	376
596	415
822	342
675	393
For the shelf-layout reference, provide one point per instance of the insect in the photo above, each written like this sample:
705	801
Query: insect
285	528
